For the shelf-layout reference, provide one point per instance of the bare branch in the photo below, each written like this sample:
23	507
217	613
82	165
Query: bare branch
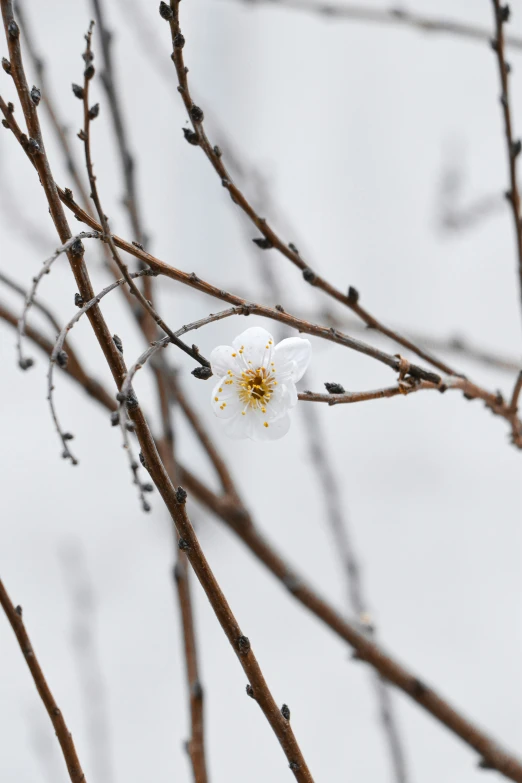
14	615
513	147
72	245
388	17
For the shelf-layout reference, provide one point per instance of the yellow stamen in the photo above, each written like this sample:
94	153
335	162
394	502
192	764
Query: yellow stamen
265	424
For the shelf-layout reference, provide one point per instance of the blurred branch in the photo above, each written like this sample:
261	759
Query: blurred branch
82	596
127	161
388	17
37	304
14	615
74	369
513	147
196	743
50	106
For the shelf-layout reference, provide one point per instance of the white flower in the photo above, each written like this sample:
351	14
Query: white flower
256	384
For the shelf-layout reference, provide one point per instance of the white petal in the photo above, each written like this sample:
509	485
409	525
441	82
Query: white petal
292	357
225	399
290	394
283	397
238	427
275	429
221	360
254	346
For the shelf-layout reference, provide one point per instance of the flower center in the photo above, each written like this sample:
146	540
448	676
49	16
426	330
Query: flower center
256	387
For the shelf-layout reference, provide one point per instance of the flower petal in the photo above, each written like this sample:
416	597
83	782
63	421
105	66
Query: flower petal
283	397
255	347
225	399
273	431
221	360
238	427
292	357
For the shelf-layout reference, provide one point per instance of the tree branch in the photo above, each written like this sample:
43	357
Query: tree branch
14	615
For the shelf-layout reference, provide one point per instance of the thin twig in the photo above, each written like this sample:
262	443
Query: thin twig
75	247
516	393
389	17
501	13
364	396
60	357
14	615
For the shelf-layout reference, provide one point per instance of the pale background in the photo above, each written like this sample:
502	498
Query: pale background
354	126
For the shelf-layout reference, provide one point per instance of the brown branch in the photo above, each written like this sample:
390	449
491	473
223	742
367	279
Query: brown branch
364	396
390	17
270	239
237	518
14	615
513	147
196	743
516	393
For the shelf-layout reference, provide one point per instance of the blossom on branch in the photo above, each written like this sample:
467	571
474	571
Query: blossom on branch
256	385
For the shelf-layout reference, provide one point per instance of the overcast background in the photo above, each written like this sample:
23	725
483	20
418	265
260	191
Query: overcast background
354	127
